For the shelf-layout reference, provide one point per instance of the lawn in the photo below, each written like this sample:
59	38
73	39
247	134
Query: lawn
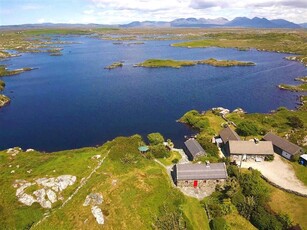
300	171
294	206
168	161
236	221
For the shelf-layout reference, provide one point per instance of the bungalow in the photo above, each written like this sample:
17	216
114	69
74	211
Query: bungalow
303	159
226	135
193	149
282	146
249	149
200	175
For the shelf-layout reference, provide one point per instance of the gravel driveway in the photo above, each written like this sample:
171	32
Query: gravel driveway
279	172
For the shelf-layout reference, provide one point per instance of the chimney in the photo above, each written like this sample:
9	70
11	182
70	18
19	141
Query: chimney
207	164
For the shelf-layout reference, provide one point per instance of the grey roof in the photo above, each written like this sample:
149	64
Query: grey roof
214	171
251	148
228	134
282	143
194	147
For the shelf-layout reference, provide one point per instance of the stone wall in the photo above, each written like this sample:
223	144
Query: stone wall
200	183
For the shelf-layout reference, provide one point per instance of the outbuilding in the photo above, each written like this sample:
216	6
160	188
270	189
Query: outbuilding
200	175
227	134
282	146
193	149
257	150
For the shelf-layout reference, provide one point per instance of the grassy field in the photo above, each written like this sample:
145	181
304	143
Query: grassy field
285	42
168	161
158	63
294	206
134	189
300	171
236	221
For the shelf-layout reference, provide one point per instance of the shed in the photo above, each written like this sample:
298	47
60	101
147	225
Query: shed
200	174
193	149
282	146
228	134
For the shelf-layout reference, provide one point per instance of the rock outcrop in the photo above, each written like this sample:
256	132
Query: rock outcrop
48	193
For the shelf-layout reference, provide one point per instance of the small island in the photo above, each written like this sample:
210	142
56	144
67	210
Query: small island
158	63
115	65
4	100
296	88
2	85
5	72
55	52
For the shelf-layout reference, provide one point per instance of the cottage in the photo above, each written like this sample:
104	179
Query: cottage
200	175
228	134
303	159
257	150
282	146
193	149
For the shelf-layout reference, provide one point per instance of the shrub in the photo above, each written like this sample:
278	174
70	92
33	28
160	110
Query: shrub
218	223
295	122
155	138
269	158
210	148
175	161
264	220
159	151
247	128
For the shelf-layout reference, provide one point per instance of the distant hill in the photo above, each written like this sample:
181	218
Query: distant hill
303	25
242	22
261	23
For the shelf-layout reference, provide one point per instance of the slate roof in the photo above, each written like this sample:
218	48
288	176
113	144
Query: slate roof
282	143
194	147
214	171
251	148
228	134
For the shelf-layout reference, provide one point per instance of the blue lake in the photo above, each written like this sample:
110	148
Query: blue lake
71	101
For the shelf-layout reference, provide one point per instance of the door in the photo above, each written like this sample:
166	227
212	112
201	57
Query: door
195	183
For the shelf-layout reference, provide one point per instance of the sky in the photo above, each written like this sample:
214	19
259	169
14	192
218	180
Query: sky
13	12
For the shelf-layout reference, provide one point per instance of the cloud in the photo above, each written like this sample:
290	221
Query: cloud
204	4
288	3
41	20
31	7
138	5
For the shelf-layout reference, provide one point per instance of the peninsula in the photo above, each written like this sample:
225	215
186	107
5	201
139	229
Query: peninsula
158	63
296	88
5	72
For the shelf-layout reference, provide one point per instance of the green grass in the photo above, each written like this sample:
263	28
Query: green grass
195	213
294	206
295	88
236	221
300	171
56	32
158	63
168	161
133	190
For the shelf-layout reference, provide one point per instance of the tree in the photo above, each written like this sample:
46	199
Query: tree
159	151
155	138
247	128
210	148
295	122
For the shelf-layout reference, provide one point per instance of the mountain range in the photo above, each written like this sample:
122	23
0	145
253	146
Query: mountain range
239	22
243	22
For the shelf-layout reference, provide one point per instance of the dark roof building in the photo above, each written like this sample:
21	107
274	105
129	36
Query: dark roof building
283	146
194	149
210	171
228	134
250	148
